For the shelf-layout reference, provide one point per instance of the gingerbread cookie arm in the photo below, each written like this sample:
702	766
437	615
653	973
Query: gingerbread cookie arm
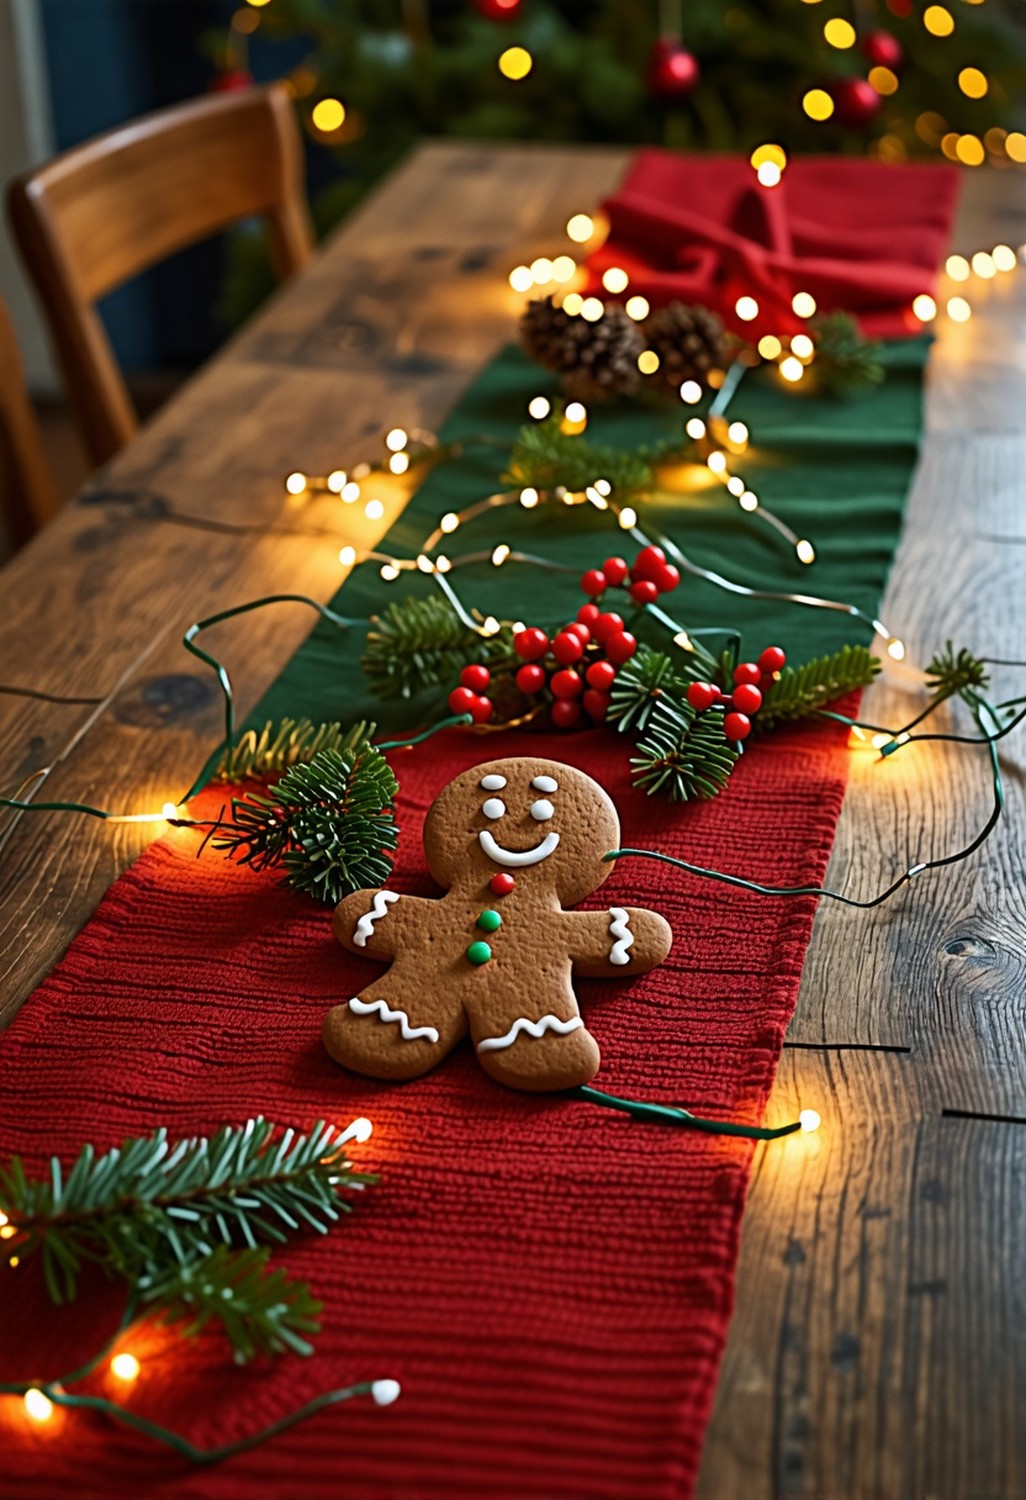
376	923
617	942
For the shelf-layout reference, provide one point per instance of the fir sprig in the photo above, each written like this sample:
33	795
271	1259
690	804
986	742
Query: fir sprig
169	1220
801	691
330	824
259	753
652	677
684	755
952	672
547	458
846	361
420	643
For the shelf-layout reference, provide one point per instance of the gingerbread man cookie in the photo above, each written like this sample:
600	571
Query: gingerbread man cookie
514	842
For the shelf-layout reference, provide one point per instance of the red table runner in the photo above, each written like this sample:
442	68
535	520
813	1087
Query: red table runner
550	1281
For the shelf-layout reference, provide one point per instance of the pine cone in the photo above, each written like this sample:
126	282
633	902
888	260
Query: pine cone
689	342
594	360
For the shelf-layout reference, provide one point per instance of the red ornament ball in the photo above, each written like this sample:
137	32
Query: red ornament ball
594	582
565	713
620	647
462	700
702	695
666	578
596	704
481	710
498	10
475	677
672	70
772	659
857	102
567	647
737	726
530	678
601	675
883	50
644	591
747	671
501	884
567	684
530	643
648	562
605	626
747	698
614	571
588	614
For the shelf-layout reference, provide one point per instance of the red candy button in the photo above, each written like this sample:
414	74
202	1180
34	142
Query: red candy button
501	884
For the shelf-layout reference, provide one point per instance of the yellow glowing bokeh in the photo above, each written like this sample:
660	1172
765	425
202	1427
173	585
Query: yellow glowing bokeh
983	265
515	63
580	228
839	33
949	145
747	309
973	83
925	308
539	407
883	80
695	428
520	279
637	308
957	267
38	1405
802	346
564	268
791	368
125	1366
541	270
818	104
615	279
959	310
770	346
1004	258
1015	145
970	150
648	361
592	309
768	174
803	304
328	115
938	21
769	154
572	304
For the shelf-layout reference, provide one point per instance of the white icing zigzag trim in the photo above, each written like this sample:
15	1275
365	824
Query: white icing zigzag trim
384	1010
533	1028
619	929
517	857
365	926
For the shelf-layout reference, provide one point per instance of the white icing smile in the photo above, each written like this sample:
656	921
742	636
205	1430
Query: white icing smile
517	857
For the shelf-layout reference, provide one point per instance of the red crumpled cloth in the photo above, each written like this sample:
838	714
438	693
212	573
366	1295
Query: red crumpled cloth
862	236
550	1281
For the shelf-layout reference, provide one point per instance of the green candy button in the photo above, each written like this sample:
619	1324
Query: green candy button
489	920
479	953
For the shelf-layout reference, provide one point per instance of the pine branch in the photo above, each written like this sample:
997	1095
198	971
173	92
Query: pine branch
420	643
651	677
846	362
155	1214
950	673
279	745
800	691
684	755
546	457
329	824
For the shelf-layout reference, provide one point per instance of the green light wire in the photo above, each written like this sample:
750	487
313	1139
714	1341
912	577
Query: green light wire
669	1114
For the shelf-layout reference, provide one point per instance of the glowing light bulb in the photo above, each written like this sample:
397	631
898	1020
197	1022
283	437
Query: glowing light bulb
736	485
769	152
580	228
38	1405
529	498
792	368
806	551
296	483
515	63
938	21
399	463
809	1120
520	279
350	491
396	440
802	346
768	174
973	83
500	554
603	486
539	407
572	304
564	268
442	563
737	433
637	307
969	150
336	481
374	510
449	521
983	266
1015	145
959	310
592	309
7	1231
839	33
384	1392
818	104
3	1218
575	412
957	267
748	500
648	361
896	649
691	392
390	572
925	308
746	308
328	115
804	304
491	626
541	270
169	811
717	461
628	517
1004	258
615	279
347	556
769	346
695	427
425	564
359	1130
125	1366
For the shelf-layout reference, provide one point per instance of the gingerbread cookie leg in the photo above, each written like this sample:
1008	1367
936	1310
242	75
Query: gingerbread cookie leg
539	1044
376	1034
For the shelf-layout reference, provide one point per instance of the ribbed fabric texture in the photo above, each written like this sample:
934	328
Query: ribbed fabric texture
550	1282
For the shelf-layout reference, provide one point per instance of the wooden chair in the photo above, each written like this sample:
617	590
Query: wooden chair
100	213
27	495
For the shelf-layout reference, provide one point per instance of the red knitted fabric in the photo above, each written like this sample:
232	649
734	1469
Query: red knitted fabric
550	1281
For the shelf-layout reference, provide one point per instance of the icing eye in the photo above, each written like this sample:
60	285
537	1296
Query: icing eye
492	783
541	811
545	784
494	807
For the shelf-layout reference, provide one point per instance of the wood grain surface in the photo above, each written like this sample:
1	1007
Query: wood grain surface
878	1347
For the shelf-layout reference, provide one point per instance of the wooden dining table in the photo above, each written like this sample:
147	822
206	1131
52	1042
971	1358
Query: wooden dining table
878	1345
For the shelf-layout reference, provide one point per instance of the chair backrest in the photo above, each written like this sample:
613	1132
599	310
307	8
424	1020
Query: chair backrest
27	495
104	211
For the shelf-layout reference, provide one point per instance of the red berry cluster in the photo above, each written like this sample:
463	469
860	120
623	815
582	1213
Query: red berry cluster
751	679
650	575
469	697
578	665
